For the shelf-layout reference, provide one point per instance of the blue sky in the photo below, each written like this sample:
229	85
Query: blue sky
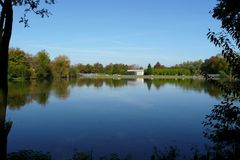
121	31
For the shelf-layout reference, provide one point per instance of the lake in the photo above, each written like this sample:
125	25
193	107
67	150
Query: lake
105	116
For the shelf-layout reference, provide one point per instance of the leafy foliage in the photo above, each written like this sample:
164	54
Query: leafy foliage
171	71
38	7
228	12
193	66
43	65
61	66
116	69
6	25
98	68
222	125
185	68
19	66
158	66
149	70
73	72
215	65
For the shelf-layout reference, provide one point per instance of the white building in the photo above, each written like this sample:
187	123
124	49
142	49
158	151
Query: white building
135	72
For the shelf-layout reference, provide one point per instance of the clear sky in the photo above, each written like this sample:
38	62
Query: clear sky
121	31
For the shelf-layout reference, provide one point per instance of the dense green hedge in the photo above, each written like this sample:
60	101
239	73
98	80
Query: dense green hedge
171	71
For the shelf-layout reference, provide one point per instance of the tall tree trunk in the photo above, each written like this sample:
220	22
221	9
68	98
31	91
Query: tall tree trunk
6	22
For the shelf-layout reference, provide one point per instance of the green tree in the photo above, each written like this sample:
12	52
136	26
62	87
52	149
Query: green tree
32	64
80	68
73	71
158	66
228	11
119	69
109	69
149	70
19	66
222	124
42	65
6	24
193	66
88	69
171	71
98	68
215	65
61	66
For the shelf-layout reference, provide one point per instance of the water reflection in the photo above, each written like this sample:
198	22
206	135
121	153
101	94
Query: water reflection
27	92
188	84
97	83
222	125
61	88
39	91
5	126
19	95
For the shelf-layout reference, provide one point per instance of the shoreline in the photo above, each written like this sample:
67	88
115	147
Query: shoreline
118	77
95	76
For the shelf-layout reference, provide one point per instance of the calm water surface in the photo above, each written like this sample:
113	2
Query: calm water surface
109	116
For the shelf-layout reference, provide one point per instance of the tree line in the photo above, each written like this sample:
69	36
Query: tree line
214	65
40	66
26	66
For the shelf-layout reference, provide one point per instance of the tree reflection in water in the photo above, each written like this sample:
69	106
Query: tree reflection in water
39	92
221	126
5	126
